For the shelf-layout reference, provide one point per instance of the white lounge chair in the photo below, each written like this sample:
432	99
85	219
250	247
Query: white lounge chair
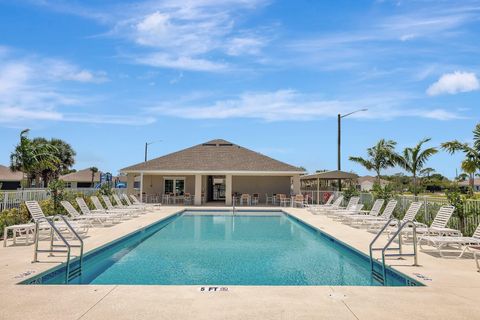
101	219
110	207
137	202
317	207
366	221
120	205
374	212
100	209
409	215
350	208
101	213
39	217
443	243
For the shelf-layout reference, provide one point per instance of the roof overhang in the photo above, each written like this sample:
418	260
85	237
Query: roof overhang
206	172
331	175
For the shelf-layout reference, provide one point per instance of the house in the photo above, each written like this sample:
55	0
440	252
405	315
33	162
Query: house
466	183
366	183
214	170
81	179
10	180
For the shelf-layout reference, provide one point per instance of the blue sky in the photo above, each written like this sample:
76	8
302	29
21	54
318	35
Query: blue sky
107	76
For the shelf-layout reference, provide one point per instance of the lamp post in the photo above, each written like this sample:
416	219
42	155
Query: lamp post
339	121
146	147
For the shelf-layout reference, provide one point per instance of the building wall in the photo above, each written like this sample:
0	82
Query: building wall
154	184
261	185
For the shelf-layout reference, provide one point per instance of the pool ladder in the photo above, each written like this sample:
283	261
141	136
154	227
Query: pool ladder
381	275
70	273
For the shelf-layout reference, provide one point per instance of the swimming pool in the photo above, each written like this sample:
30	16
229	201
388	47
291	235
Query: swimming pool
218	248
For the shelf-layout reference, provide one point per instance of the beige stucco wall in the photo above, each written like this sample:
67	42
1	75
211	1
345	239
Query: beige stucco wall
261	185
153	184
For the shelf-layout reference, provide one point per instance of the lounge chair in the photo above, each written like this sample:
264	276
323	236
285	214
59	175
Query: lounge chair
115	217
91	219
39	217
329	202
438	226
350	208
324	208
442	243
409	215
110	207
100	209
137	202
366	221
120	205
374	212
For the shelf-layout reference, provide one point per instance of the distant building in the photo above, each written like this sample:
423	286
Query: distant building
466	183
366	183
81	179
10	180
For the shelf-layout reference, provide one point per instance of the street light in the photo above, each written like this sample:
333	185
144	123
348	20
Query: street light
339	119
146	147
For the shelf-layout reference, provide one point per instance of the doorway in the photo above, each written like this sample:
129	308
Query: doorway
216	188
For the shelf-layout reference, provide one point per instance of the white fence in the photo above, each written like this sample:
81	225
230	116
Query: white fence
13	199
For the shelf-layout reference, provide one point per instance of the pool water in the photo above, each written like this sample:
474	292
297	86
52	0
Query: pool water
266	248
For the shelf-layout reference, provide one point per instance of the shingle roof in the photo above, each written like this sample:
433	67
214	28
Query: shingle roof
8	175
84	175
215	155
330	175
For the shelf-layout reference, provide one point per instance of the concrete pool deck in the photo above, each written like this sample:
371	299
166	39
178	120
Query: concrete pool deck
452	293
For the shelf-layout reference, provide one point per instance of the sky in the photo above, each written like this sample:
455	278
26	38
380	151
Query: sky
270	75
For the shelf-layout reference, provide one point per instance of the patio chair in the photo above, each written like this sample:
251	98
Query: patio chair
443	243
245	199
75	215
115	217
324	208
269	199
299	200
283	200
19	231
110	207
379	219
255	199
187	199
374	212
39	217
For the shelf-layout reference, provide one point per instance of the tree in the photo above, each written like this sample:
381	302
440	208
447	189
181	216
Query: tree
462	176
471	163
414	159
427	172
93	170
381	156
30	157
65	159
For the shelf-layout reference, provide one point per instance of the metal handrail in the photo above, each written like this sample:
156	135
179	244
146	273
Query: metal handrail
401	226
54	229
233	204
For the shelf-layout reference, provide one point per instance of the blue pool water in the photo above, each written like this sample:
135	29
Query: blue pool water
221	249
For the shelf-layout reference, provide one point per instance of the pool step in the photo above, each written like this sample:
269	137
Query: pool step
378	276
73	273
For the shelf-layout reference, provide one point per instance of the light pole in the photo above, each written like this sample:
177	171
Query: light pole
339	121
146	147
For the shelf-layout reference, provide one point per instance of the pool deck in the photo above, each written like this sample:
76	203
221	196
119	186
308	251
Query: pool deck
452	293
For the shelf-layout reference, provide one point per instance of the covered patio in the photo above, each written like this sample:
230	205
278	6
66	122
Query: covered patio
213	172
320	183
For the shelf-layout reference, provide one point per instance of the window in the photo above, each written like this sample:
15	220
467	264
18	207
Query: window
174	185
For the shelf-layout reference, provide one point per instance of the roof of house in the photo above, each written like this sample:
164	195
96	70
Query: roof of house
331	175
8	175
476	182
215	155
84	175
370	179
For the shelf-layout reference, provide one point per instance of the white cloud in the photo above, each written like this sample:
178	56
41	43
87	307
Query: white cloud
34	89
181	62
290	105
453	83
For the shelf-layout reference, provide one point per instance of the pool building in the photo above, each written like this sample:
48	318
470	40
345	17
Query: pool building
212	172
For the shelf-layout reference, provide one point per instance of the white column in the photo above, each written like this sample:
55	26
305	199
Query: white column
198	190
141	187
228	189
296	184
130	183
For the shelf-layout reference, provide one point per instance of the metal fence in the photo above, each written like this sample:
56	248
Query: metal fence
430	207
13	199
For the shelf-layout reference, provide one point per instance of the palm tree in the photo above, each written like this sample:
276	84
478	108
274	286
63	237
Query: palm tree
427	172
462	176
472	153
380	156
414	159
63	152
93	170
29	157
